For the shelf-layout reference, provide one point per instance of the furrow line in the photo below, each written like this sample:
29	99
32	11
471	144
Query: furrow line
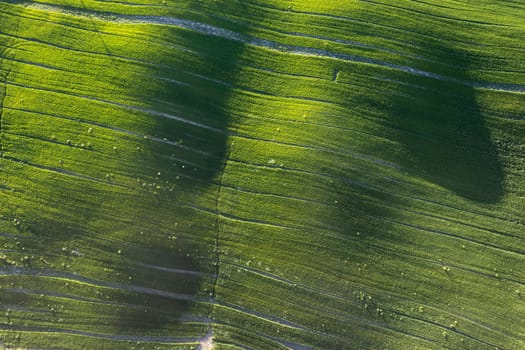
289	283
390	328
126	106
363	111
448	206
109	127
458	237
397	7
94	258
340	41
290	345
27	291
449	329
338	152
304	35
388	28
363	115
280	196
246	90
265	336
274	277
176	271
451	220
337	229
388	38
327	78
14	307
374	188
127	338
299	123
50	141
22	271
104	54
216	130
4	76
296	34
128	3
349	43
487	275
243	89
61	171
463	268
36	64
438	5
404	298
379	247
229	133
241	219
149	40
301	171
113	128
210	30
140	307
265	317
366	322
375	290
329	231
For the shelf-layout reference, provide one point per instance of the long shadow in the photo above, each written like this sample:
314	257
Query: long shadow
189	151
440	135
186	143
196	91
442	129
443	137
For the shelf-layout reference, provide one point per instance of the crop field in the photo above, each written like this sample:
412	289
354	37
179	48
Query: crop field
262	174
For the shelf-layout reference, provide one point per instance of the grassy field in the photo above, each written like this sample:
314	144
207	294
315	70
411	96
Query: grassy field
279	174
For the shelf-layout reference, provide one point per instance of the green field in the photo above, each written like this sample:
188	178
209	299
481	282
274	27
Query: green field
275	174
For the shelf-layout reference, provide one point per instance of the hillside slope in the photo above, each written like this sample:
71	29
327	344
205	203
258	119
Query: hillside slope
277	174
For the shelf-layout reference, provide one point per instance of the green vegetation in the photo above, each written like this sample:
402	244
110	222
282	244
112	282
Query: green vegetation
290	175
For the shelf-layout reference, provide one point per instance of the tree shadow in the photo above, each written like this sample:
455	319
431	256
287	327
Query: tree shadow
439	133
442	129
442	137
191	101
161	269
185	143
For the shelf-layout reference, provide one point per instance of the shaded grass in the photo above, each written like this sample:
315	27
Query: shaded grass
172	163
444	132
352	177
85	221
318	150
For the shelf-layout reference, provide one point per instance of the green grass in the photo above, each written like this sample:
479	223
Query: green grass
301	186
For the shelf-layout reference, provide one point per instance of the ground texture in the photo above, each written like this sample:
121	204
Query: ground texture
266	174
